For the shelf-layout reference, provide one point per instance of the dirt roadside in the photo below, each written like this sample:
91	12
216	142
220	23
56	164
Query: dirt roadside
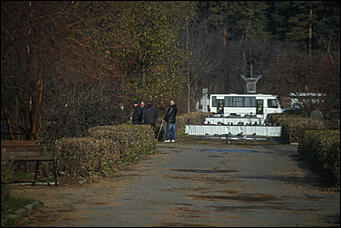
65	201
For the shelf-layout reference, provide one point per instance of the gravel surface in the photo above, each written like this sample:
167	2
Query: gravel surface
194	184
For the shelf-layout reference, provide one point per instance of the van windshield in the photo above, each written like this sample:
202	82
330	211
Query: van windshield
272	103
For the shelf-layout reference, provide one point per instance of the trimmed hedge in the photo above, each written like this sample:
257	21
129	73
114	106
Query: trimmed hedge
186	119
86	156
104	150
294	126
321	149
318	146
132	140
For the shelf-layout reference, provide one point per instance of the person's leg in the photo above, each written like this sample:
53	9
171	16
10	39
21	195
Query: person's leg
154	129
173	131
167	131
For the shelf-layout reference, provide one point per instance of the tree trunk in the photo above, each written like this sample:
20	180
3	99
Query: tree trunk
188	74
9	124
310	27
37	106
225	36
245	38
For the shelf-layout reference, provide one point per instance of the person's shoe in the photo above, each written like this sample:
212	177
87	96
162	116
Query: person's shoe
167	140
173	140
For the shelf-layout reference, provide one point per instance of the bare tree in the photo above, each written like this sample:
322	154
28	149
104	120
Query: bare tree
29	31
203	57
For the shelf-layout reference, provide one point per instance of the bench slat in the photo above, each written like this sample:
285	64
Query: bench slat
26	150
22	148
23	153
41	158
19	142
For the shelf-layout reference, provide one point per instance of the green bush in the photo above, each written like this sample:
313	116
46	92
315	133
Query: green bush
321	150
85	156
187	119
104	150
132	140
294	126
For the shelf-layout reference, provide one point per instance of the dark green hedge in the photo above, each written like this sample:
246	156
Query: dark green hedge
132	140
321	150
104	150
86	156
318	146
186	119
294	126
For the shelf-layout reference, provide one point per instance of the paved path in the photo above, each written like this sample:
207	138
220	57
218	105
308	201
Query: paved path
206	184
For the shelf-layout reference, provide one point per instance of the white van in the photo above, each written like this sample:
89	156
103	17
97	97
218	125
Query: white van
244	104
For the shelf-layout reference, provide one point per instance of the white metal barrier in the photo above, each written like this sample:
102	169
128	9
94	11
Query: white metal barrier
234	120
272	131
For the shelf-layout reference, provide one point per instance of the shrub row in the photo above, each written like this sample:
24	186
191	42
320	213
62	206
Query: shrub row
318	146
294	126
321	150
186	119
132	140
104	150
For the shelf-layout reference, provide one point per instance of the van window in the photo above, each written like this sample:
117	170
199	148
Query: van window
227	101
240	101
272	103
214	101
250	102
237	101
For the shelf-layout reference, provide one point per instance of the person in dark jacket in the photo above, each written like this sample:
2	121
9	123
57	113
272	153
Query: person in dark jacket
122	114
137	114
170	118
149	114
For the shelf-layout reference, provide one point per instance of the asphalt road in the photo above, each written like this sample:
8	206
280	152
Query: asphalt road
206	184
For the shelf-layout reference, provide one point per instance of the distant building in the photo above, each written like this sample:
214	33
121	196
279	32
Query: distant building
299	100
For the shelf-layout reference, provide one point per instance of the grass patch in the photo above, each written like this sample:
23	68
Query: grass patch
9	206
21	176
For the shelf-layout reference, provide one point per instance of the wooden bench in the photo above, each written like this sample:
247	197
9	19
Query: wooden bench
27	151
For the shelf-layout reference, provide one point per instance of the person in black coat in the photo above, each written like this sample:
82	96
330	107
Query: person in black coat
122	114
137	114
149	114
170	118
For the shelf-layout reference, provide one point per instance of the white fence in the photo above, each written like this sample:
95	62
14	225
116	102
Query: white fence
234	121
272	131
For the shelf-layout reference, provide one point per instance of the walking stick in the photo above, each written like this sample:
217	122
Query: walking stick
159	130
